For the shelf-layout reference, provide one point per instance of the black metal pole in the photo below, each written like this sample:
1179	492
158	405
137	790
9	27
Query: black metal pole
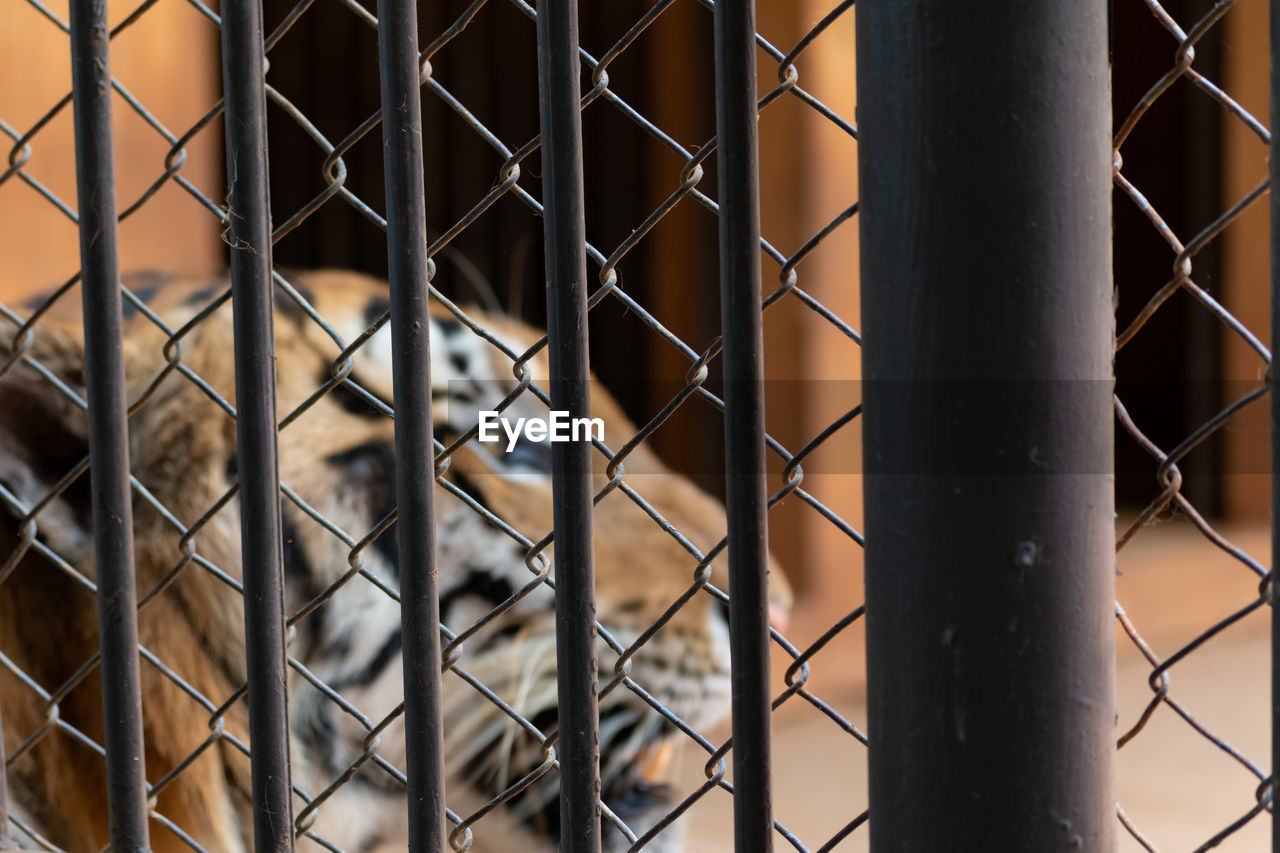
565	239
108	428
5	842
249	235
745	496
985	181
415	452
1274	382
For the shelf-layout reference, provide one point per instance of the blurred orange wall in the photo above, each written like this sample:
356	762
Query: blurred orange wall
1246	261
167	60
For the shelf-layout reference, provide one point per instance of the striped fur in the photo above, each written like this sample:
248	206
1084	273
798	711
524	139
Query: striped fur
336	455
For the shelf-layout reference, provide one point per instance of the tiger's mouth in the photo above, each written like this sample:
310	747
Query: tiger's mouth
635	761
642	787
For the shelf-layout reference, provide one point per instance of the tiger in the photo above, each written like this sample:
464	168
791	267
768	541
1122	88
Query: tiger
493	508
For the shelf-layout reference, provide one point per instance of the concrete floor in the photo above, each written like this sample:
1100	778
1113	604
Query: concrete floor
1176	787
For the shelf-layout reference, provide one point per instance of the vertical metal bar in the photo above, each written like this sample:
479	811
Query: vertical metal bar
565	240
108	427
1274	381
985	184
415	452
5	842
740	317
249	235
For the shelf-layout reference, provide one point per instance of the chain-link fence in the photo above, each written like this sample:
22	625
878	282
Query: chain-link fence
1198	477
255	528
182	558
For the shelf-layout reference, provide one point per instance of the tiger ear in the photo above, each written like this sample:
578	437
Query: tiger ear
44	436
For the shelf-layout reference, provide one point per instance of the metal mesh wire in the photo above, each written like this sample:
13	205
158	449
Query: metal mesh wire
514	180
1194	738
511	181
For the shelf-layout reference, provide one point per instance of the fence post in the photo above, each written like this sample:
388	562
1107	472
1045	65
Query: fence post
559	70
249	236
745	496
112	494
415	449
1274	382
985	182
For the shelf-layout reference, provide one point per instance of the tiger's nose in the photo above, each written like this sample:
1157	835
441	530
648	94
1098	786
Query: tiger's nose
779	615
780	597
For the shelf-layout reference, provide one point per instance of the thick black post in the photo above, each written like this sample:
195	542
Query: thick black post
108	428
565	239
415	453
985	184
1274	382
745	496
249	235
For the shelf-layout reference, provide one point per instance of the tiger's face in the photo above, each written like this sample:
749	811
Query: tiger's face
342	568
